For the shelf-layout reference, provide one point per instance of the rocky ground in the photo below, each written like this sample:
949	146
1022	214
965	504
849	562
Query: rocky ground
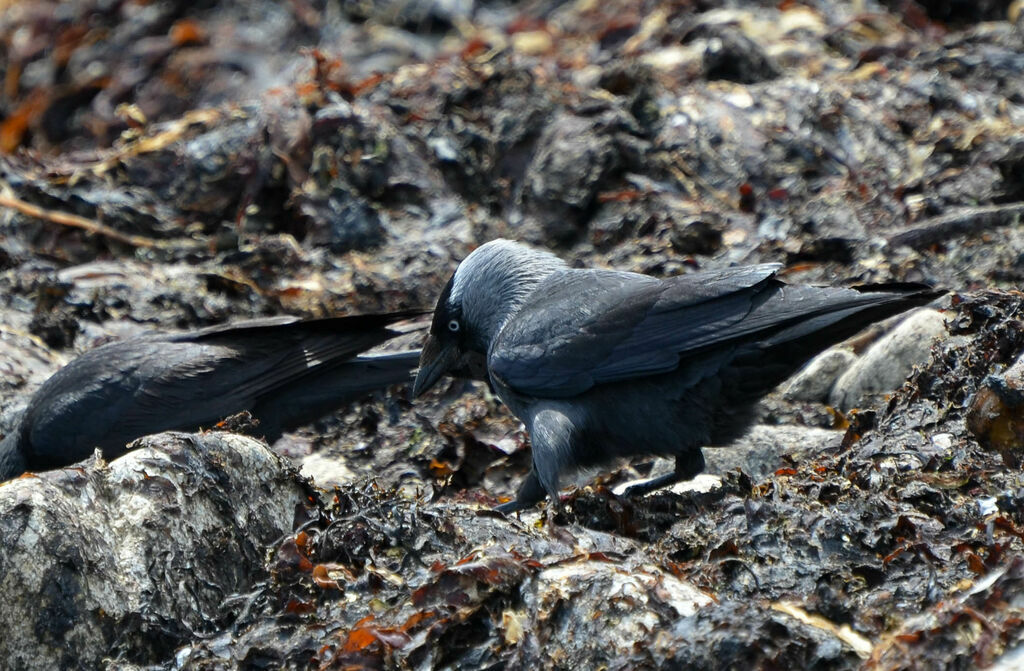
168	165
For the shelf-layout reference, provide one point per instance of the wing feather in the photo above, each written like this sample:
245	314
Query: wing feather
582	328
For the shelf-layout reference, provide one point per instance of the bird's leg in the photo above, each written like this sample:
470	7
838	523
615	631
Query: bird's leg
688	466
530	493
552	437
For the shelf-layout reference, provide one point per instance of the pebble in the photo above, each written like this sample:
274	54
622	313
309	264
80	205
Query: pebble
818	377
888	362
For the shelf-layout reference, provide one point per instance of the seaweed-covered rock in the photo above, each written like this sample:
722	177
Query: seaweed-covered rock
135	557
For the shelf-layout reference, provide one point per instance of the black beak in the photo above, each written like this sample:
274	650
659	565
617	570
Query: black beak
435	360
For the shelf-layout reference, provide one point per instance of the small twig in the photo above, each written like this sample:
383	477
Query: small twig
75	221
90	226
173	132
962	222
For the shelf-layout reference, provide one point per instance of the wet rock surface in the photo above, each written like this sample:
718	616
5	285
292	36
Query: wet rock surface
168	166
135	557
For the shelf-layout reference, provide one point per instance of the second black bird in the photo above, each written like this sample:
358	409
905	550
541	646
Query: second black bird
286	372
600	364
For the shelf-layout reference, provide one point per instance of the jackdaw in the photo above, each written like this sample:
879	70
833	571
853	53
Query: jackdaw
601	364
285	371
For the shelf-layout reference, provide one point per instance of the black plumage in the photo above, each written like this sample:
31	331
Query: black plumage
600	363
286	372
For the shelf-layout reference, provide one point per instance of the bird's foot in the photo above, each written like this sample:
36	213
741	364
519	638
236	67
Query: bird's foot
643	488
513	506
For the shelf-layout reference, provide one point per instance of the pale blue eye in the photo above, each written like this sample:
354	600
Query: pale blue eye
453	326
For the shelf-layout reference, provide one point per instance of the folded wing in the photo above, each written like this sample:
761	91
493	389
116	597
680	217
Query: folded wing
585	328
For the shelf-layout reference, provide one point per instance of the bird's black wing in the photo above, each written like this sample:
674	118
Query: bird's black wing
262	355
586	327
122	390
313	396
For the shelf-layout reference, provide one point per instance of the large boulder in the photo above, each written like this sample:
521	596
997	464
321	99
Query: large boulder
131	559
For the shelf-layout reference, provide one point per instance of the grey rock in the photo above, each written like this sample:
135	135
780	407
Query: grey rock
134	558
637	597
819	376
887	363
574	157
759	453
354	223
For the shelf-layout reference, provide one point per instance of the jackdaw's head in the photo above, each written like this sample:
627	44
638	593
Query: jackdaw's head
488	287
